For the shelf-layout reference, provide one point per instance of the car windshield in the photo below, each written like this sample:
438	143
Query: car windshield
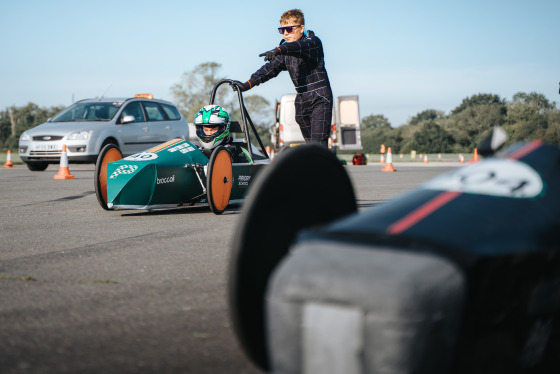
88	112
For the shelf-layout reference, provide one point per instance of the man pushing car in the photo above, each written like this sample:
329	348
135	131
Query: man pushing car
301	54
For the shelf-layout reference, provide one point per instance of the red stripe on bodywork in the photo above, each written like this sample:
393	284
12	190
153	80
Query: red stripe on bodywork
443	198
525	150
422	212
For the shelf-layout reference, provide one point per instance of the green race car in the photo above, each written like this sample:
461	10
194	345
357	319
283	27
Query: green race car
178	173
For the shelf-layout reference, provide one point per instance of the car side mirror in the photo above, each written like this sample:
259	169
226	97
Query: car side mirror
128	119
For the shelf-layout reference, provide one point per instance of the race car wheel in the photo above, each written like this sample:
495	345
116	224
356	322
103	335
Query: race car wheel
108	154
304	187
219	180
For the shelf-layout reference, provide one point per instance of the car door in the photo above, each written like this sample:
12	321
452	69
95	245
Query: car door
137	135
160	128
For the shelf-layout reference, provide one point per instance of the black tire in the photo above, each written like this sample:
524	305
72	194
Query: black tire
305	186
37	165
219	180
109	153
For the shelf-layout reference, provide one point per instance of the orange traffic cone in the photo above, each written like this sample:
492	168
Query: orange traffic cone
461	158
382	159
272	154
63	171
425	158
9	163
475	159
389	164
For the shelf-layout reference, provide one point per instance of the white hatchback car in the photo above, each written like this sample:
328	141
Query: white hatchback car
133	124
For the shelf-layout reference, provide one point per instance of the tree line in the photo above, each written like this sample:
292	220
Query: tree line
526	116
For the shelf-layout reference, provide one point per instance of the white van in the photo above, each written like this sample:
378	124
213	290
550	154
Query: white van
287	133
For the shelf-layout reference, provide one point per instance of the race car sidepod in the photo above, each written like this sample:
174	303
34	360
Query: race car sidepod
461	275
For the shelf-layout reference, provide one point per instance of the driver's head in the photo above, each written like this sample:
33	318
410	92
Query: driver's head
212	126
209	130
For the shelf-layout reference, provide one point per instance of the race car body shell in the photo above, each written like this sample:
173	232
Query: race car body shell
169	175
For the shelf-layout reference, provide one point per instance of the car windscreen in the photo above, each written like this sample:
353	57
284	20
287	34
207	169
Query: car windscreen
88	112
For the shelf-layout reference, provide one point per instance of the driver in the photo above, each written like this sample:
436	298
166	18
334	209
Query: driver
212	127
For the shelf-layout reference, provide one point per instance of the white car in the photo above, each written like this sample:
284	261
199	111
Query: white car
133	124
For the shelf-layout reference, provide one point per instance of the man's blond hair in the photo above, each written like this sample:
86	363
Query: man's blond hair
295	15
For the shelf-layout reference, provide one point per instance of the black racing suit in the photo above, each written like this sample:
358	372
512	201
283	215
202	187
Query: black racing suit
304	60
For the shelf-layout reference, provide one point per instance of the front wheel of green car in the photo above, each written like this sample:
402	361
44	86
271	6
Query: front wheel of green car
109	153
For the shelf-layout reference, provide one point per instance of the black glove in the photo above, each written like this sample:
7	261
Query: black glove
245	86
268	56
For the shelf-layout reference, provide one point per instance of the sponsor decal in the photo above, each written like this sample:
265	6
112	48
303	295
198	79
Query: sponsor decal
170	179
183	148
244	180
506	178
142	156
124	169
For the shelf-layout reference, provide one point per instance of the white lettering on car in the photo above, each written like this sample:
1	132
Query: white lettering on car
183	148
170	179
244	180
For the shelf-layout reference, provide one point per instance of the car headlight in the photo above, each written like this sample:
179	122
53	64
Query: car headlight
25	137
80	135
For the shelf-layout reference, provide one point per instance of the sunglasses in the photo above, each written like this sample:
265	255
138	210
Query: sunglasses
289	29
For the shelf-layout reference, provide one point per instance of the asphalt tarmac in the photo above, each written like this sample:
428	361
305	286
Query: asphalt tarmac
84	290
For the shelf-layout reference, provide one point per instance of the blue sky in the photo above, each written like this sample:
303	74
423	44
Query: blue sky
400	56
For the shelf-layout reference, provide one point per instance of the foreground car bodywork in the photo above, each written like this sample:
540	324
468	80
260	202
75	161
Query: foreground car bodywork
461	275
177	173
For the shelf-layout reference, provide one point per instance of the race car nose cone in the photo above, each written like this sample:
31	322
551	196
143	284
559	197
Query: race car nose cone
363	310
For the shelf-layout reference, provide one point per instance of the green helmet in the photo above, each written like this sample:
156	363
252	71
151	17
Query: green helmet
215	118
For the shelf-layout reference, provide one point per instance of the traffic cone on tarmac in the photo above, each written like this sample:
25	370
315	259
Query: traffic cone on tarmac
9	163
475	159
425	158
461	158
63	171
389	164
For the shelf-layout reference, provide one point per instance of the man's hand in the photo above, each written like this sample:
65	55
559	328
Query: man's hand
245	86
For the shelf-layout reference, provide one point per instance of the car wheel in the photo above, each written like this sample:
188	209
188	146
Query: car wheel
37	165
109	153
219	180
304	187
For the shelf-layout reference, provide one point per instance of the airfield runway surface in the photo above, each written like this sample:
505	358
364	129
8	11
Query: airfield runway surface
83	290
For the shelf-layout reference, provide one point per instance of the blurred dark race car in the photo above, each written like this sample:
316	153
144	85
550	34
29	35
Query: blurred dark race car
461	275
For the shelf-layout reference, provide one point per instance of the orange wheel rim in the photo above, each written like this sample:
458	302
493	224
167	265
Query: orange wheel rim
112	155
222	175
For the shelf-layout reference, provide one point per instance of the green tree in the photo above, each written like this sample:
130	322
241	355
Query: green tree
432	138
15	120
529	116
476	100
374	121
194	89
426	115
